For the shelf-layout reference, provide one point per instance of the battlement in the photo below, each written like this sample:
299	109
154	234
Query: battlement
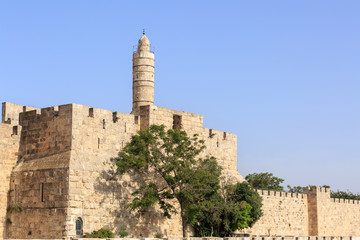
11	111
316	189
346	201
280	194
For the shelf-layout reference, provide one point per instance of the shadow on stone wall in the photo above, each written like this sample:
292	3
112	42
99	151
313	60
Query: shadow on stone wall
115	191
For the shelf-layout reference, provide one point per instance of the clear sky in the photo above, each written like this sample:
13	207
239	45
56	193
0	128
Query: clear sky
282	75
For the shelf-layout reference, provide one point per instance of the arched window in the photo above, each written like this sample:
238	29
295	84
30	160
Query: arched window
79	227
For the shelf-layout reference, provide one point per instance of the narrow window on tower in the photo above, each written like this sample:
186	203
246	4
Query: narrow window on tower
91	112
42	192
104	124
15	130
136	119
177	122
98	143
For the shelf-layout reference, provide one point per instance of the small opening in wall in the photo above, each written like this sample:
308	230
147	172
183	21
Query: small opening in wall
42	192
79	227
217	143
177	122
136	119
104	123
115	118
98	143
15	130
91	112
224	136
125	127
211	134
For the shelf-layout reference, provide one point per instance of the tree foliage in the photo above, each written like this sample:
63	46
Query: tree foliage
101	233
265	181
172	157
295	189
345	195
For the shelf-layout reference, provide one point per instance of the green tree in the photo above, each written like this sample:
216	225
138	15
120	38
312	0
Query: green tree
173	157
295	189
265	181
345	195
237	207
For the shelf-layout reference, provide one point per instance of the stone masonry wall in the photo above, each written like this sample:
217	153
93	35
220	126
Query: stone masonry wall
10	112
97	197
285	214
39	181
9	146
333	216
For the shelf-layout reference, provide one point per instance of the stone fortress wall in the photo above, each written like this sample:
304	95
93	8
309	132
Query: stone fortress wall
39	179
313	213
56	172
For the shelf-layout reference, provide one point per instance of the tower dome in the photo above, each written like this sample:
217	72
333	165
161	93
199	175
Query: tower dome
144	44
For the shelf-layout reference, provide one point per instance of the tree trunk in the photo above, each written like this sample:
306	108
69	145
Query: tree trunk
183	220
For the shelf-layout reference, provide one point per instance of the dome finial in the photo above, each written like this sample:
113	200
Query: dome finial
143	31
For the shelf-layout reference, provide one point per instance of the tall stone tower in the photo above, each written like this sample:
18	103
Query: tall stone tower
143	75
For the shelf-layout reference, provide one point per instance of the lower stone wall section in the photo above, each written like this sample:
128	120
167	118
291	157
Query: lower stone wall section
226	238
284	214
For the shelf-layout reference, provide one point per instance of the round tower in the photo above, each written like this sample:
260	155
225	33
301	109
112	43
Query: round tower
143	75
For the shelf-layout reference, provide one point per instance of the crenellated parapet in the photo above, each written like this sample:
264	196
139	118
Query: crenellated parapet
280	194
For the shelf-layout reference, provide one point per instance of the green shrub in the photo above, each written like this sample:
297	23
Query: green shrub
8	221
15	208
122	232
158	235
101	233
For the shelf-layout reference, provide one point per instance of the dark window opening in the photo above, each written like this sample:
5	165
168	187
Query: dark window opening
91	112
98	142
217	143
15	130
136	119
177	122
125	127
224	136
115	118
104	123
211	134
79	227
42	192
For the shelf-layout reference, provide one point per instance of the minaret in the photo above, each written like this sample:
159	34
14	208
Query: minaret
143	75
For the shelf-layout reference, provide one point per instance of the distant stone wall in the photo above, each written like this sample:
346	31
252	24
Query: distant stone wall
332	216
39	181
285	214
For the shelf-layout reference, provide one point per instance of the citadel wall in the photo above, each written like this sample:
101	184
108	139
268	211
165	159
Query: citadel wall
285	214
39	181
97	197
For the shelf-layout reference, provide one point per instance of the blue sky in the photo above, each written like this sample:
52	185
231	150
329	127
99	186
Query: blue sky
282	75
